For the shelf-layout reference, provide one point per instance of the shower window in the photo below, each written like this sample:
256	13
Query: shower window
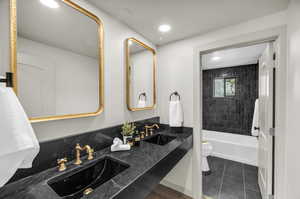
219	87
230	87
224	87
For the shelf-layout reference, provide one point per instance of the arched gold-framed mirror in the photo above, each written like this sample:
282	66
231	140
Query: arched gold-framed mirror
140	75
57	59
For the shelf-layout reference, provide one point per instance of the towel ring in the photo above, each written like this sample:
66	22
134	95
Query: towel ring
8	80
176	94
143	94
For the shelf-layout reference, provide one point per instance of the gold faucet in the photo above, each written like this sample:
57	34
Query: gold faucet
150	128
88	150
62	164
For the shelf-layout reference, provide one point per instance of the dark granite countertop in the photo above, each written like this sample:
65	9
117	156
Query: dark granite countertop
141	159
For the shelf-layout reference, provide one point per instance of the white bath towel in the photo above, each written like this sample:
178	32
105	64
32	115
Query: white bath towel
119	146
18	143
175	113
141	103
255	132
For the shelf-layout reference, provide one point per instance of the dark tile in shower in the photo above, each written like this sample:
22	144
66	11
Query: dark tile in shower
230	114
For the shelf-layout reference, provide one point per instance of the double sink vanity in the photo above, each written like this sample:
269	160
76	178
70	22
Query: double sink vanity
124	174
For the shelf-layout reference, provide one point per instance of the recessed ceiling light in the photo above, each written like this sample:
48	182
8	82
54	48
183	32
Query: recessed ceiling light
164	28
50	3
216	58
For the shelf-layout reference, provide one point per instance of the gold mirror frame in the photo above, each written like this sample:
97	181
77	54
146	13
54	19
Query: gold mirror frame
13	60
128	75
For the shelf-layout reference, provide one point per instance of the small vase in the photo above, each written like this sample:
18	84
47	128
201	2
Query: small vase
125	138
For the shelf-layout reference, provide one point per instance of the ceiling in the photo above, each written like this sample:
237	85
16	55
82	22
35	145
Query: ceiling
233	57
187	17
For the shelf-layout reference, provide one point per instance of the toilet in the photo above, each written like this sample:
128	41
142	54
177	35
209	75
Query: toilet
206	151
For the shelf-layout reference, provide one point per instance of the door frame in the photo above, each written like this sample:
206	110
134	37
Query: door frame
271	34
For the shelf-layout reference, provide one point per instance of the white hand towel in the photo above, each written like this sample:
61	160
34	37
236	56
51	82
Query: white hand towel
141	103
255	132
119	146
175	114
18	143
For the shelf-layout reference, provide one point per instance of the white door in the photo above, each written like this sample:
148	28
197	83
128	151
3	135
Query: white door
266	123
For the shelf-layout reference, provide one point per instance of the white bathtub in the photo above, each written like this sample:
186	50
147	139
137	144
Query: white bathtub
234	147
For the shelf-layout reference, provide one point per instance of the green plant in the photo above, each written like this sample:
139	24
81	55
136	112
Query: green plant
128	129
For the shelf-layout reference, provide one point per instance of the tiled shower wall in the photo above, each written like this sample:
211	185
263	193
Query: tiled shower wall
230	114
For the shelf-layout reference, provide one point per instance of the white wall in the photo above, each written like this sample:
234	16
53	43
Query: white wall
293	103
175	72
142	76
115	111
79	93
175	61
181	176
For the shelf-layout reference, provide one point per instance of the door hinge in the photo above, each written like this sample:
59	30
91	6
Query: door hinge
271	197
274	56
272	132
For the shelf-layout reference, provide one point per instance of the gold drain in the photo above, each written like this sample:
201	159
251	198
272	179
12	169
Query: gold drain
88	191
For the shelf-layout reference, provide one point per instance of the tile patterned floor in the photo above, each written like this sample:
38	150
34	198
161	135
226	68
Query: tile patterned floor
231	180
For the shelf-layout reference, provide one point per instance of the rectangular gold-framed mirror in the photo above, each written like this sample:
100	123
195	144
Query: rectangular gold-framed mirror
140	75
57	59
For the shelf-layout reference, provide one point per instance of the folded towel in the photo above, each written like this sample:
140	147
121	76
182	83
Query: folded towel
141	103
119	146
175	113
123	147
255	131
18	143
117	141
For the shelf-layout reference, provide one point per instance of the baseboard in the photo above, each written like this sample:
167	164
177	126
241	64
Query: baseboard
177	188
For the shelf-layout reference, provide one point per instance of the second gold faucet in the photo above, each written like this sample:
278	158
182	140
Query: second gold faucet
88	150
147	127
